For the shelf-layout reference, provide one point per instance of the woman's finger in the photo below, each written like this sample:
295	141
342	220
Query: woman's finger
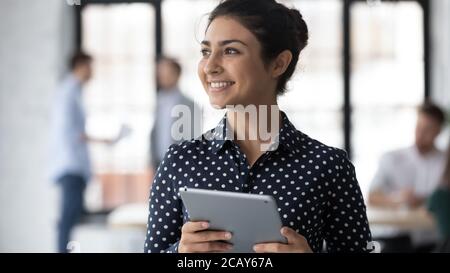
208	247
271	248
190	227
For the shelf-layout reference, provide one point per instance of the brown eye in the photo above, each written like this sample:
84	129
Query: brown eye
205	52
231	51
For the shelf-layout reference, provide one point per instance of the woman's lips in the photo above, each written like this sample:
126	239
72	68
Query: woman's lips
219	86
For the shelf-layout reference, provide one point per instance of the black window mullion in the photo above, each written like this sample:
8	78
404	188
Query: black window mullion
78	27
346	24
425	4
158	27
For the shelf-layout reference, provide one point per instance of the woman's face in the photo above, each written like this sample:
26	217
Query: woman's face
231	69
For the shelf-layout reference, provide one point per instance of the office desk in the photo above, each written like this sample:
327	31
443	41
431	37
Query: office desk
135	216
405	219
129	216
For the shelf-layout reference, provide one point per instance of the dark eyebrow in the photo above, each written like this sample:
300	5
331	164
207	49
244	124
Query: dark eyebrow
223	43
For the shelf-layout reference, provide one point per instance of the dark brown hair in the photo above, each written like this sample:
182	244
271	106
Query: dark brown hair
174	63
276	27
78	58
432	110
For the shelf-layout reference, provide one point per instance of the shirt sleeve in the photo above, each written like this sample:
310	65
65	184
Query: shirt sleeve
70	114
435	201
347	227
380	181
165	217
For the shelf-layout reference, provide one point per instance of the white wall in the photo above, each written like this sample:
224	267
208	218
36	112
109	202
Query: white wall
35	40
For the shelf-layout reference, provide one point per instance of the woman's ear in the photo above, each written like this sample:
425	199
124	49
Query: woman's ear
281	63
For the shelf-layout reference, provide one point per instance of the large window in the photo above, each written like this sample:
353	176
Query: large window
387	79
314	99
120	38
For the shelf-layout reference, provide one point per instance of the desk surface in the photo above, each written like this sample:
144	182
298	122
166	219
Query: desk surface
406	219
135	215
129	216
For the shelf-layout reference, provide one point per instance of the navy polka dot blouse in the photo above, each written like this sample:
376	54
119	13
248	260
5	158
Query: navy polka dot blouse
314	185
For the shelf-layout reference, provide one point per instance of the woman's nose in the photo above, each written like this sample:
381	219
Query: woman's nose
213	66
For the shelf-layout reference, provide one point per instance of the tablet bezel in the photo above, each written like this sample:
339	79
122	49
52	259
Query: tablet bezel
261	223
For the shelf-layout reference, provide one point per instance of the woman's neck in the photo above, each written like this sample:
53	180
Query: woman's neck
254	128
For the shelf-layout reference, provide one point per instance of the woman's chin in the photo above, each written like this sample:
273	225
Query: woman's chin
223	103
218	104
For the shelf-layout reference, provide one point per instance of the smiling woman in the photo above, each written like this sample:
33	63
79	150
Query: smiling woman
249	52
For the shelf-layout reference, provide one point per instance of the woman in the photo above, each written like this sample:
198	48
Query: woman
250	50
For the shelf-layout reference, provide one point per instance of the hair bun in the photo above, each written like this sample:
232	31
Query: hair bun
300	26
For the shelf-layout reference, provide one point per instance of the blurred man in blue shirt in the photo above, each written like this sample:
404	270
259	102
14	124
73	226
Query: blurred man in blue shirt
70	164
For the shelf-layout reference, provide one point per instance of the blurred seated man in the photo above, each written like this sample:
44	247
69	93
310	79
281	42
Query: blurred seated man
169	96
406	177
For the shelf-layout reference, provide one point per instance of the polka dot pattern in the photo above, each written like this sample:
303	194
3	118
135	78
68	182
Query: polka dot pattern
314	185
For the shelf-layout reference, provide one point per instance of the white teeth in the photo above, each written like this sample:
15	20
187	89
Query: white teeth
220	84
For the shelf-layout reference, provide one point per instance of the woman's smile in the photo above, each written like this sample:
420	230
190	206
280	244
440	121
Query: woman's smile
219	86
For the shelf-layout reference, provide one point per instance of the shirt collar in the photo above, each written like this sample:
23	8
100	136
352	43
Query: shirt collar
74	80
220	135
431	154
288	136
173	90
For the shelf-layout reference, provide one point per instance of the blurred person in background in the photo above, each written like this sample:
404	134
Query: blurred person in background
70	161
169	96
407	177
439	205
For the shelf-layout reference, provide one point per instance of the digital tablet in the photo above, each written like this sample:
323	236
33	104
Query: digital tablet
251	218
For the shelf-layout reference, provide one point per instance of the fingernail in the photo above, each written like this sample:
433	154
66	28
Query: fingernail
255	248
227	235
205	225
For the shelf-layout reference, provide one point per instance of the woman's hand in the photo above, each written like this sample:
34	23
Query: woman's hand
196	238
296	244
